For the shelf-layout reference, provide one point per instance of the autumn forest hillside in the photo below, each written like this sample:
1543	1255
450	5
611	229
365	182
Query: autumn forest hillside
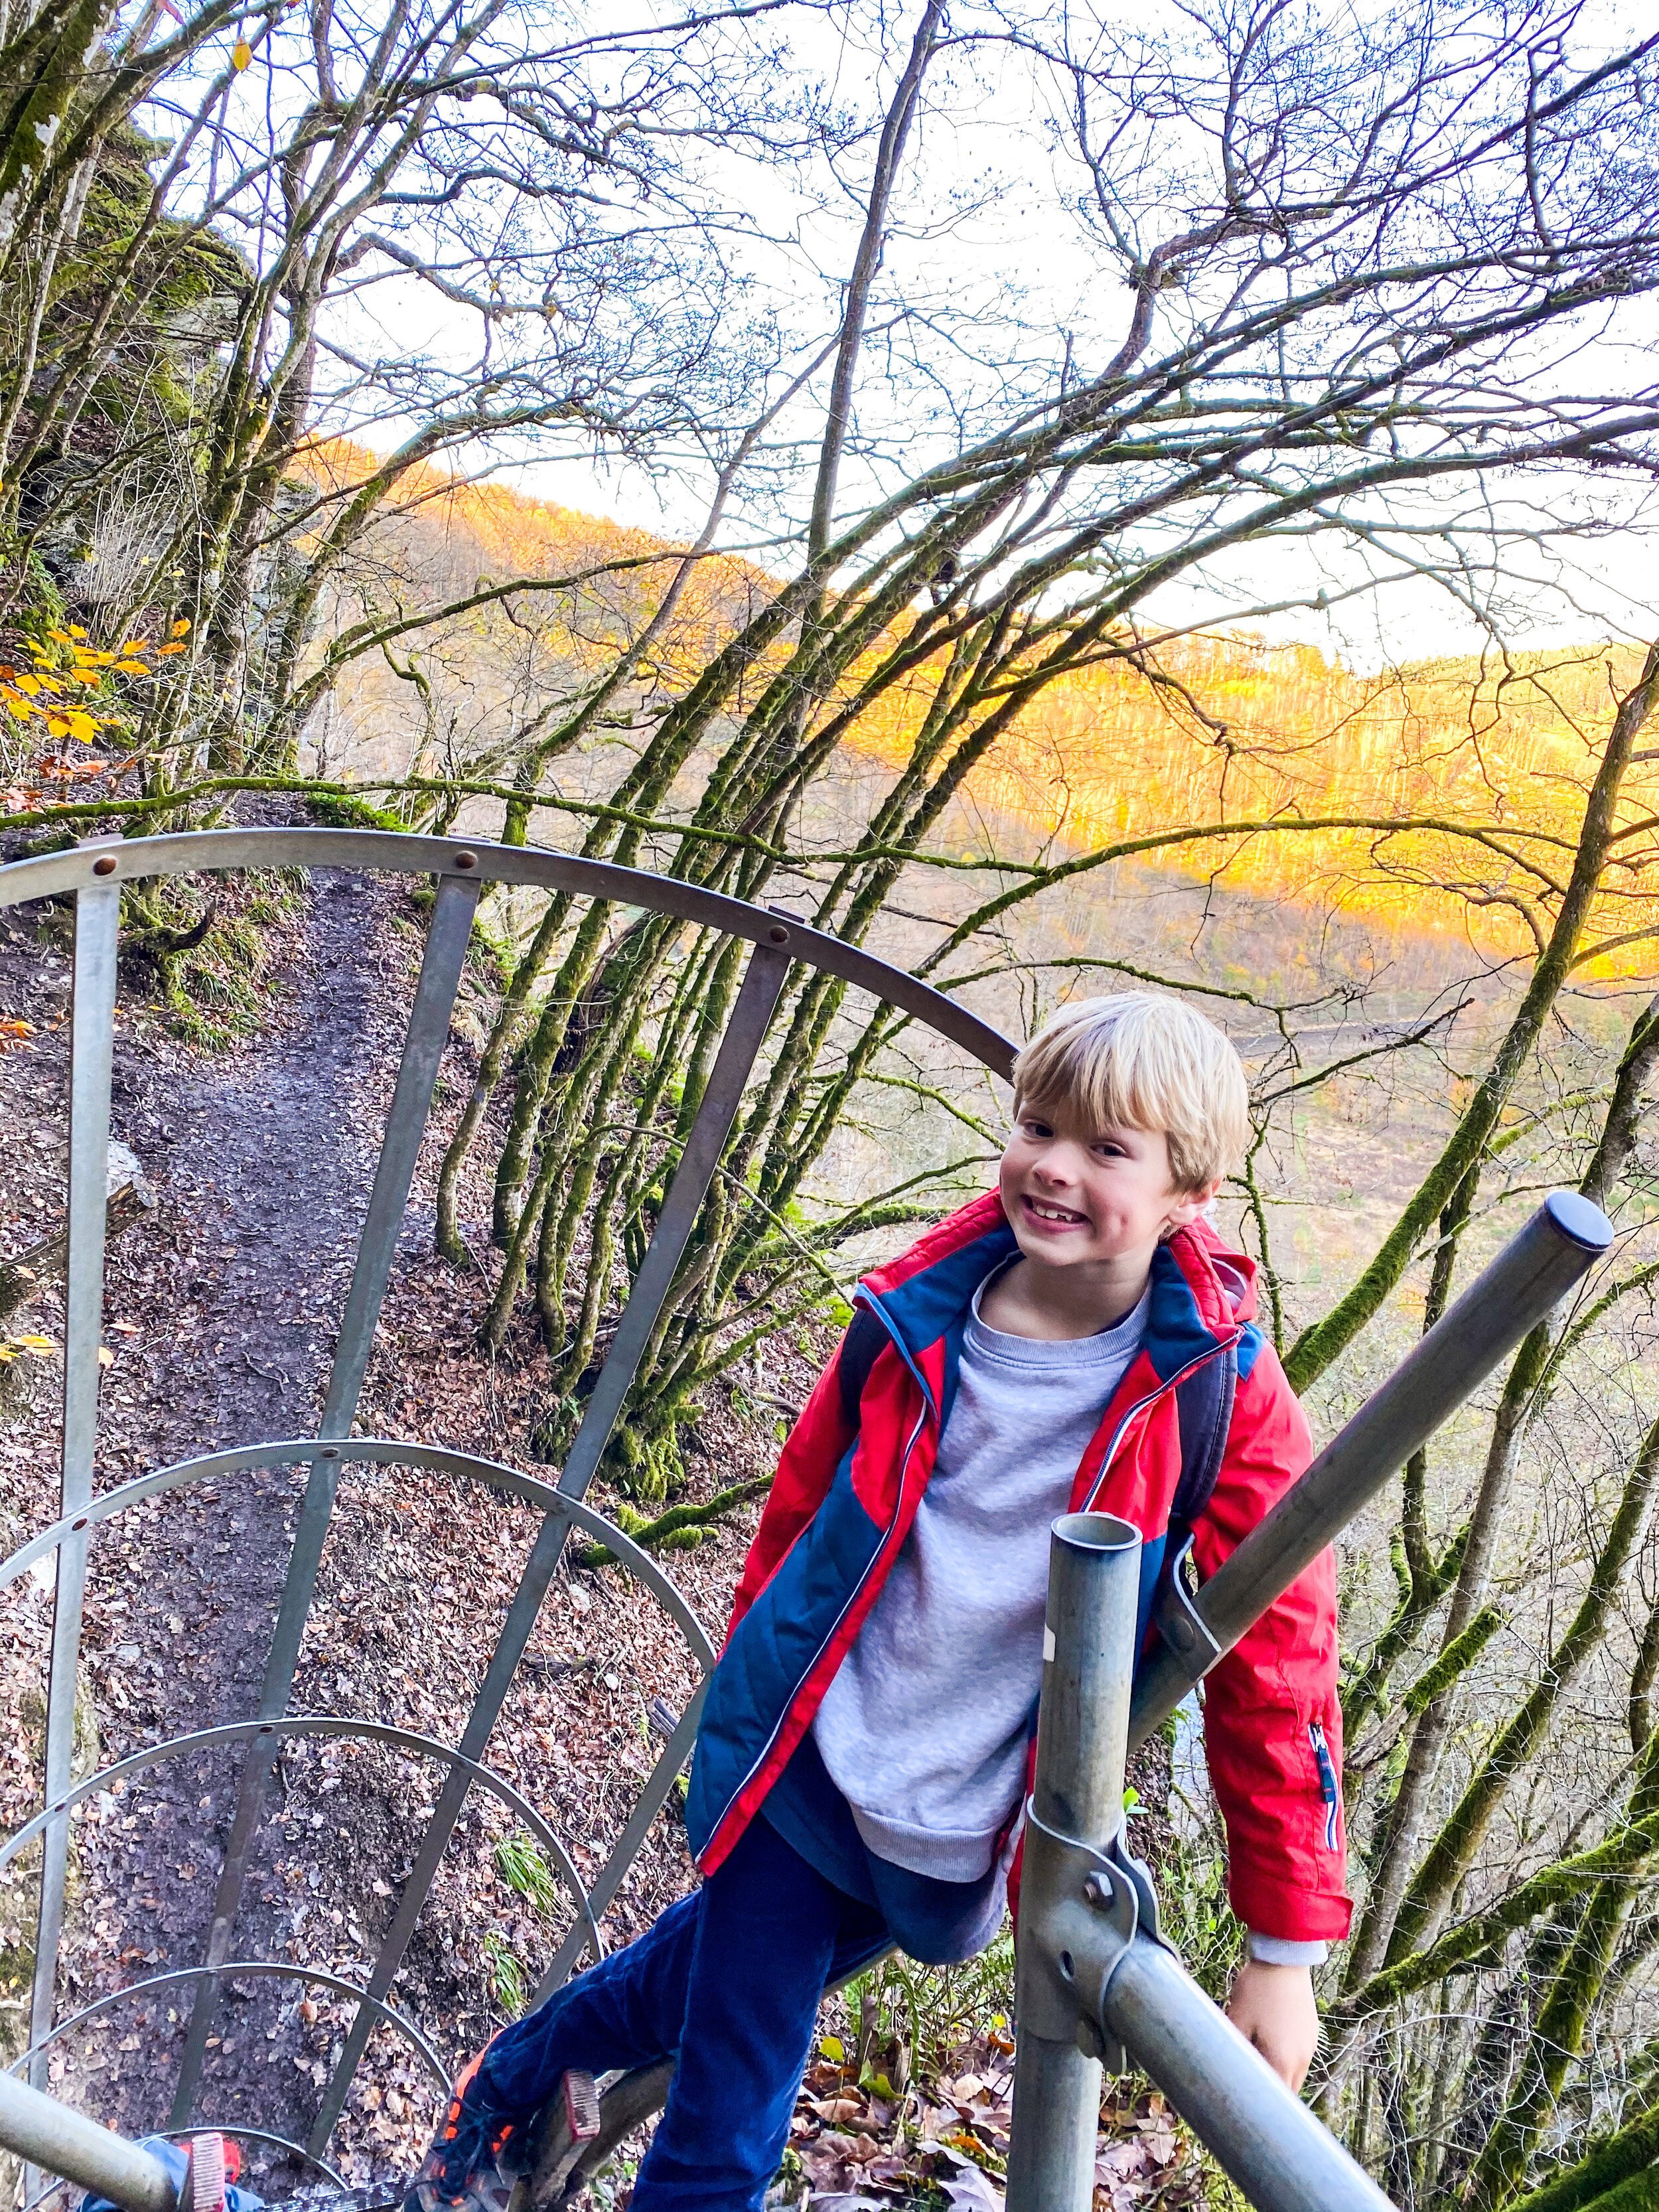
1280	771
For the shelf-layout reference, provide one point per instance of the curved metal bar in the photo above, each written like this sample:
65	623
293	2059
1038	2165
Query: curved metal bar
379	1451
325	1724
235	1969
192	852
243	2134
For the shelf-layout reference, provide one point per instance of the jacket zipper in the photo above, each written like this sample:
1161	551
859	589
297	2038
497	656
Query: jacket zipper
1139	1406
1327	1788
831	1633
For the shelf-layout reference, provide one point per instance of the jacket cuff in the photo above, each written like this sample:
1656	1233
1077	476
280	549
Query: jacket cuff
1269	1906
1281	1951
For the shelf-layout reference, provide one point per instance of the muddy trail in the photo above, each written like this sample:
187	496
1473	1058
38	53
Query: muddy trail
221	1304
220	1321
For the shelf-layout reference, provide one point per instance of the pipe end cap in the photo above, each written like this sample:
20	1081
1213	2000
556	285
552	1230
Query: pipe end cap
1577	1219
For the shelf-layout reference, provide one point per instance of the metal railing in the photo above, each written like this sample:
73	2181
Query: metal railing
1096	1982
93	875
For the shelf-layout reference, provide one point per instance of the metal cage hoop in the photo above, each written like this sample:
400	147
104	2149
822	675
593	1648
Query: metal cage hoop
92	874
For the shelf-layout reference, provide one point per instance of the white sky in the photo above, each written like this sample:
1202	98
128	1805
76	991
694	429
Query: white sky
983	248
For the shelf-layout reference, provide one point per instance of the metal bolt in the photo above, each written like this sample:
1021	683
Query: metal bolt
81	1523
105	865
466	860
778	934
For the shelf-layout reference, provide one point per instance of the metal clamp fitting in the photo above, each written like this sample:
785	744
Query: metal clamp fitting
1180	1623
1081	1908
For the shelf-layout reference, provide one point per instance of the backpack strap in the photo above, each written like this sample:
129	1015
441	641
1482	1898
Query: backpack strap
1204	1408
865	1335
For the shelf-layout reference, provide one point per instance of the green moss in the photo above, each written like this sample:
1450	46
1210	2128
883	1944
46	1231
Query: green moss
333	811
215	991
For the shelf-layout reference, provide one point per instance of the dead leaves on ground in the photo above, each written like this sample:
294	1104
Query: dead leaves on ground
945	2143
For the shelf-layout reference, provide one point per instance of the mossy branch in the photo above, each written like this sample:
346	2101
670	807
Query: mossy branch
651	1535
1458	1656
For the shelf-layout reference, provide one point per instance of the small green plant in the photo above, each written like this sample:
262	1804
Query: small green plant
506	1974
931	2011
1192	1895
212	967
519	1863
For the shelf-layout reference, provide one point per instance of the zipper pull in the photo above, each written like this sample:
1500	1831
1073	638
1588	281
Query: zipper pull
1327	1788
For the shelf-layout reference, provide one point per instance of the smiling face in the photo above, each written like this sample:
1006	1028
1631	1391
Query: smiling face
1090	1198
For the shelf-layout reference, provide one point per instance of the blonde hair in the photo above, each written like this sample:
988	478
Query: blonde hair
1138	1060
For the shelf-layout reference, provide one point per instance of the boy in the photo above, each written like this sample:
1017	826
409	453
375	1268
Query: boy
865	1747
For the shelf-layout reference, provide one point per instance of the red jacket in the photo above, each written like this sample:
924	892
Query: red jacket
846	1493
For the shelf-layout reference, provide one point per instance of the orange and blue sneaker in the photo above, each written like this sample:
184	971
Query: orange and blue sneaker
475	2157
479	2151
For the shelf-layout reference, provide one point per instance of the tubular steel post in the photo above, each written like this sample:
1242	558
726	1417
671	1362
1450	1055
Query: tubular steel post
54	2136
1093	1975
751	1016
1089	1654
97	912
1535	1270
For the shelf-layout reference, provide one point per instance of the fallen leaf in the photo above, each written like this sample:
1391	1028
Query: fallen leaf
1119	2160
969	2191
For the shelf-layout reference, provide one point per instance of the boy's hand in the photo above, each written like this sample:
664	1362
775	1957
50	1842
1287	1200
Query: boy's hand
1272	2007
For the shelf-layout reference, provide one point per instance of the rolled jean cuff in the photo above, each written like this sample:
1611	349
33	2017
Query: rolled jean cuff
1285	1950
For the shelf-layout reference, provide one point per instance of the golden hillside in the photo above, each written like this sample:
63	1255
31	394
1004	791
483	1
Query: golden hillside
1235	731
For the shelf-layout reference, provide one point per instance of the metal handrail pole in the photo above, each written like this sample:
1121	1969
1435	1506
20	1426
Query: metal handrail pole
1533	1273
1089	1651
1259	2130
47	2133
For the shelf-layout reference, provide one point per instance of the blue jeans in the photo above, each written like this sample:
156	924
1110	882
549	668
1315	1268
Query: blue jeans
727	1985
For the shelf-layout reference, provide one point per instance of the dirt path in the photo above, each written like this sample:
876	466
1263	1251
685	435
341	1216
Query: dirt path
221	1312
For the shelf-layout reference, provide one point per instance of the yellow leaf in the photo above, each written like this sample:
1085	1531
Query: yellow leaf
76	630
241	54
57	726
833	2048
132	667
19	709
163	651
106	1357
180	627
35	1343
133	645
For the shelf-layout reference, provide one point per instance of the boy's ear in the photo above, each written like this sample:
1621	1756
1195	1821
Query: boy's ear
1190	1204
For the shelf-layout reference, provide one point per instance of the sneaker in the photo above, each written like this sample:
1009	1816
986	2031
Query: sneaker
474	2159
